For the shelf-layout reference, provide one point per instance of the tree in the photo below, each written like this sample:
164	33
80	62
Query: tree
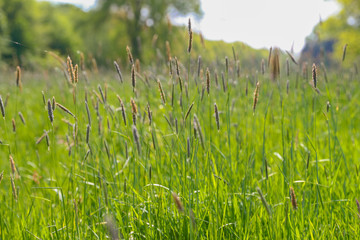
20	20
140	13
339	30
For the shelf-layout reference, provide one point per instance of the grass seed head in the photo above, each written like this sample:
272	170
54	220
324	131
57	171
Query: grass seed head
13	125
118	71
12	165
263	200
41	138
88	112
178	202
76	74
189	110
177	66
112	228
314	77
87	133
50	111
65	109
208	80
149	113
256	95
13	187
133	77
162	94
287	67
137	66
130	57
2	107
134	110
275	64
199	66
18	78
53	106
122	109
293	198
344	52
217	116
190	41
102	94
227	65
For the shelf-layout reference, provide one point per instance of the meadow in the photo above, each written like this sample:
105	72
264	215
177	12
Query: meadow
180	149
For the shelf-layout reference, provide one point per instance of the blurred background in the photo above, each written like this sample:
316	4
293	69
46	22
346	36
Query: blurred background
100	30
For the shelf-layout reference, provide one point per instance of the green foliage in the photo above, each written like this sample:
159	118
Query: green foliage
343	28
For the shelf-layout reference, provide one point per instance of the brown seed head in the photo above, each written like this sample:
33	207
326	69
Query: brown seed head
76	74
256	95
18	77
130	57
149	114
199	66
275	64
190	41
12	165
189	26
208	80
70	69
293	198
137	66
133	106
133	78
178	202
358	207
65	109
314	78
13	125
177	67
217	116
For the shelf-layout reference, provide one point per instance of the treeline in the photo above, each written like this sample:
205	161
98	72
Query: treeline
335	41
30	29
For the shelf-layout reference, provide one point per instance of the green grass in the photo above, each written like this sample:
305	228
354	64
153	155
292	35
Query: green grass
63	194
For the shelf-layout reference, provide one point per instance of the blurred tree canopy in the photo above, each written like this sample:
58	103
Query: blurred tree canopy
30	28
338	30
137	14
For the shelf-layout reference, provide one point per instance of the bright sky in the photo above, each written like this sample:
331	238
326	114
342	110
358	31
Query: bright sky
259	23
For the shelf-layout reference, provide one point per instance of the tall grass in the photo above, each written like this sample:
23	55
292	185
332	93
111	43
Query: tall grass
281	163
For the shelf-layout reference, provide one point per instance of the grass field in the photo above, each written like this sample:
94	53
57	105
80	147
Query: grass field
177	176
